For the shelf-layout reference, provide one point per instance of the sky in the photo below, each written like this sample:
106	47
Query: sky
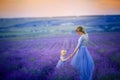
53	8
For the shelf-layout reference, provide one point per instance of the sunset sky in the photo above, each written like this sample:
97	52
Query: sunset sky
51	8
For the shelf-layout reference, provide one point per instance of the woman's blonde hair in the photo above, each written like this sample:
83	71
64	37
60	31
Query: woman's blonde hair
80	29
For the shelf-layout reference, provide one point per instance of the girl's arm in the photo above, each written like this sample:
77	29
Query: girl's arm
64	59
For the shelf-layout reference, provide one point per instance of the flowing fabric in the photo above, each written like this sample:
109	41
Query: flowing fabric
82	59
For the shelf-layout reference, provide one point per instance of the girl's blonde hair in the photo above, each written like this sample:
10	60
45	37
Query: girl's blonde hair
63	52
80	29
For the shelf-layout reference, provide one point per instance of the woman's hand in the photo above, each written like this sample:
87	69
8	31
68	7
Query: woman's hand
69	56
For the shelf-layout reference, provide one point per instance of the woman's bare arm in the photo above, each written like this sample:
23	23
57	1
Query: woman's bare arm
77	47
75	50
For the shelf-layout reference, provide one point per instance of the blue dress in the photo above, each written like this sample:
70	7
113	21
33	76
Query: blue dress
82	59
60	62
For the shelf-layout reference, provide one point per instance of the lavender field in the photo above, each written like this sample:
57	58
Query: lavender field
31	51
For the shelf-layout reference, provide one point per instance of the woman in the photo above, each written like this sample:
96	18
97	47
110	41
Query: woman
82	59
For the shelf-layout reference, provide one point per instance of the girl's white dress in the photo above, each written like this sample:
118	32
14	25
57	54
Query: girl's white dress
60	62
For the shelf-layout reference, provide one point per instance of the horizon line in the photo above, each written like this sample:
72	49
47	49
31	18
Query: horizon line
60	16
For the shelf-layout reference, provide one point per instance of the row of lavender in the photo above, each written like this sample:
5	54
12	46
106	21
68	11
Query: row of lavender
36	58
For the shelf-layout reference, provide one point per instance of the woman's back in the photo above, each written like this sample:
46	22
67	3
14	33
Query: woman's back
84	40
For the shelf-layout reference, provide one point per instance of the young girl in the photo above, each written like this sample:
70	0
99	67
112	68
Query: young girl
62	58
